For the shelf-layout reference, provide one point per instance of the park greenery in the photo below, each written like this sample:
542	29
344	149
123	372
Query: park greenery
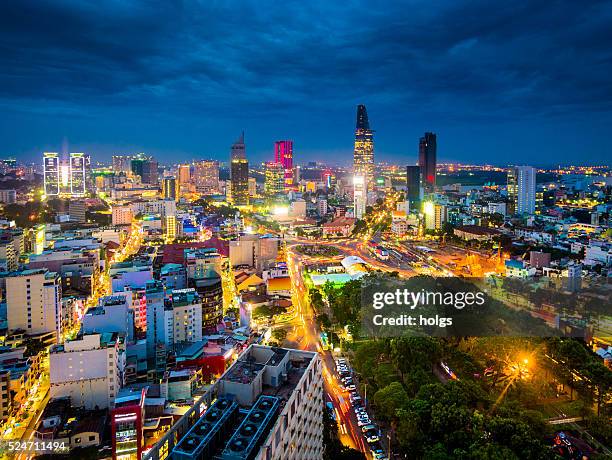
497	402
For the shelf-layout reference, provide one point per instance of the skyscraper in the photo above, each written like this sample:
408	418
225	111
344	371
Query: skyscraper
283	154
51	164
122	164
413	186
78	179
170	188
146	168
184	174
363	155
239	174
206	176
274	184
359	195
512	184
427	161
526	190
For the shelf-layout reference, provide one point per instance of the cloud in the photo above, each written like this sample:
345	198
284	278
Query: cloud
453	60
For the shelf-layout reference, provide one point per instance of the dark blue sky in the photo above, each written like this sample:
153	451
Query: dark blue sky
500	82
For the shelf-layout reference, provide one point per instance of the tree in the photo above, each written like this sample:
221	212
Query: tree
279	334
389	399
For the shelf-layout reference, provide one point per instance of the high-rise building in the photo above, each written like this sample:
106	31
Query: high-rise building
428	161
239	174
122	164
145	167
33	301
413	186
363	155
359	195
170	188
525	190
512	188
206	176
51	165
209	286
184	174
78	174
283	154
274	184
267	405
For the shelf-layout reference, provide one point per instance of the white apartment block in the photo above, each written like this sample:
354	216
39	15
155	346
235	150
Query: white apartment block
34	301
280	393
88	369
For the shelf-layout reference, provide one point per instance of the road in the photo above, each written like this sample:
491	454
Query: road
305	336
40	394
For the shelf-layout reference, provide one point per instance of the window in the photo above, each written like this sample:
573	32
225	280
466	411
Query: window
92	438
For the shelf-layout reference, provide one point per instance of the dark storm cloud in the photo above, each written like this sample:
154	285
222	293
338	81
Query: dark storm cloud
452	60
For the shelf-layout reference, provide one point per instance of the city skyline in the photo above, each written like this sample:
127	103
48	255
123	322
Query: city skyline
186	90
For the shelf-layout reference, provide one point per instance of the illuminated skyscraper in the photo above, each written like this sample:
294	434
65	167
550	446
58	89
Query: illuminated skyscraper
51	164
146	168
363	156
427	161
122	164
359	196
184	174
78	174
170	188
274	184
283	154
206	176
526	190
512	184
239	174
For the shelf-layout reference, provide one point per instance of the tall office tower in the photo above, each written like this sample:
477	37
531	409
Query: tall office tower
239	174
206	176
525	190
51	165
512	188
283	154
146	168
428	161
359	195
274	184
122	164
170	188
363	156
34	301
150	173
184	174
413	186
78	174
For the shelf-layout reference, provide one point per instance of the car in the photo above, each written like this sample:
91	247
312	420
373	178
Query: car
376	450
368	427
351	387
364	421
371	436
355	401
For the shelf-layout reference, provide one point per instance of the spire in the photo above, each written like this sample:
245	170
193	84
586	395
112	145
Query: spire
362	117
240	139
